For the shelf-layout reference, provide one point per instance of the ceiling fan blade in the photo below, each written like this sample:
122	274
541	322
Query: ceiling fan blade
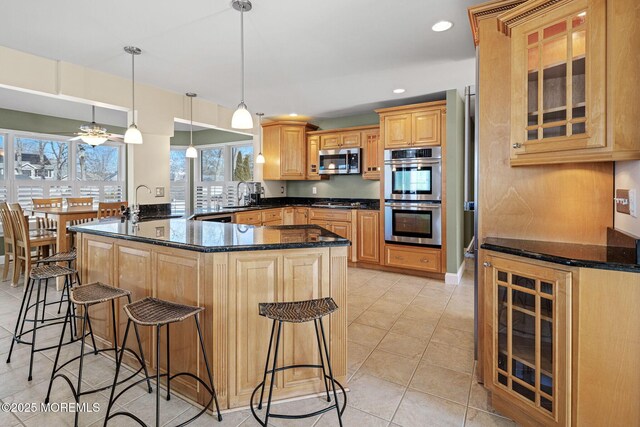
75	138
116	138
61	133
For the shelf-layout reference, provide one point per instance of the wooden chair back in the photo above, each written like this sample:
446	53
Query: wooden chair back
7	224
79	201
110	209
20	226
46	222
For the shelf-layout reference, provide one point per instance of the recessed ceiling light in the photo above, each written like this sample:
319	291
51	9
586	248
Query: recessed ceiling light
399	90
441	26
293	114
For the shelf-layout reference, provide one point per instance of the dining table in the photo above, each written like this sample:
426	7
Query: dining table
63	216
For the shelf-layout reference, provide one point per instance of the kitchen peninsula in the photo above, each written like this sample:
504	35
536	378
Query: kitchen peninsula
227	269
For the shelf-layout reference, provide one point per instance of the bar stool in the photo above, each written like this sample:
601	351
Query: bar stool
86	296
68	257
298	312
39	273
156	312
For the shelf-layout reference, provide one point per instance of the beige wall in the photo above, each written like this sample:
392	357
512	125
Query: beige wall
628	177
156	109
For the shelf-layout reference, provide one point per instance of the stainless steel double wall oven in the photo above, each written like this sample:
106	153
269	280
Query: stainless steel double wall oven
413	196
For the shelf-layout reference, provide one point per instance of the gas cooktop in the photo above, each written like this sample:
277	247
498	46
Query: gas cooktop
336	205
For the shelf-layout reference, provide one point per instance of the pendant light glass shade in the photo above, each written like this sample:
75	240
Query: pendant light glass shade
133	134
191	153
260	157
242	117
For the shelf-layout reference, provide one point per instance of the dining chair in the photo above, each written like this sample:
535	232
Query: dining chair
46	223
26	242
110	209
79	201
9	240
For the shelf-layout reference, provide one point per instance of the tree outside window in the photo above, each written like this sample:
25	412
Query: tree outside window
212	164
242	163
97	163
39	159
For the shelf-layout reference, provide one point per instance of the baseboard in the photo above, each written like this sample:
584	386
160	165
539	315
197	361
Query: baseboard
455	278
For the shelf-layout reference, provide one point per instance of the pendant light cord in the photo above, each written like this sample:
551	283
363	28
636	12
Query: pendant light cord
133	89
242	49
191	114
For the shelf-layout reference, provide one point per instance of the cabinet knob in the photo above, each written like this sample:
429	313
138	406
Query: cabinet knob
425	260
486	264
517	145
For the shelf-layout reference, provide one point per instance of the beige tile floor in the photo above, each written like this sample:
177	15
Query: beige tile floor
410	364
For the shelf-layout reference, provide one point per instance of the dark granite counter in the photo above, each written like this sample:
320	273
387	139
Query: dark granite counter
214	236
284	202
576	255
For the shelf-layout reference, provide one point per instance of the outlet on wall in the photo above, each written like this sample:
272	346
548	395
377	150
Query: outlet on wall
314	190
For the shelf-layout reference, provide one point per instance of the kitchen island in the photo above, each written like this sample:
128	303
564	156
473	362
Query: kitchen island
227	269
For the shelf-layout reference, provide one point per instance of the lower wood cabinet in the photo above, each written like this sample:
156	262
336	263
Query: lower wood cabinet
368	236
249	218
300	216
425	259
528	338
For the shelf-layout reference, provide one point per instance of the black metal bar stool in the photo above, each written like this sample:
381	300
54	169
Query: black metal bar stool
86	296
298	312
68	257
41	273
156	312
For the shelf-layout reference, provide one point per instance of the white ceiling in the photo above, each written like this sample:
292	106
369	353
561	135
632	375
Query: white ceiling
318	58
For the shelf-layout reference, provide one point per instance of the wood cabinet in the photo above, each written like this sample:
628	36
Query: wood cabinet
249	218
344	139
339	221
528	337
300	216
560	79
285	150
368	230
424	259
372	159
272	216
413	125
288	216
313	146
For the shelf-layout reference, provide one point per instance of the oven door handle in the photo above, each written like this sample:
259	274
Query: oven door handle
411	162
414	207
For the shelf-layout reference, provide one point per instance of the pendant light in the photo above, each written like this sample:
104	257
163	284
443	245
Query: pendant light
192	153
133	134
260	157
242	117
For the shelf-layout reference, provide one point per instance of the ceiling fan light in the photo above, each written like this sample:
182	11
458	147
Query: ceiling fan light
133	135
94	140
242	118
260	158
192	153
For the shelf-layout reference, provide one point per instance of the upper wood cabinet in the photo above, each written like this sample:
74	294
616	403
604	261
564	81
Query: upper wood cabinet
562	57
285	150
413	125
313	146
333	141
372	163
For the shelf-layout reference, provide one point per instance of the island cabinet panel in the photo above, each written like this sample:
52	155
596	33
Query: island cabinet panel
307	277
177	281
253	278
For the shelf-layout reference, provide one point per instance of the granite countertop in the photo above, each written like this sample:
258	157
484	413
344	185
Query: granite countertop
284	202
204	236
576	255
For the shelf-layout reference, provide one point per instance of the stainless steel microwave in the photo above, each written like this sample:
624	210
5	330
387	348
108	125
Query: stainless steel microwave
339	162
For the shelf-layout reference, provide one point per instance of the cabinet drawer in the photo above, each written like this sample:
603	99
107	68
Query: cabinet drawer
330	214
272	215
273	222
251	218
418	259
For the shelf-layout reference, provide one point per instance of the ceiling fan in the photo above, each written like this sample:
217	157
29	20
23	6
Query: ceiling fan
92	133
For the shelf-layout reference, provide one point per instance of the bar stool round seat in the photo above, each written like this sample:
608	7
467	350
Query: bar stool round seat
49	271
59	257
160	313
298	312
86	296
153	311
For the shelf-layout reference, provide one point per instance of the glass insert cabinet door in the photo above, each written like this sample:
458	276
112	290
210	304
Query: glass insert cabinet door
530	340
558	80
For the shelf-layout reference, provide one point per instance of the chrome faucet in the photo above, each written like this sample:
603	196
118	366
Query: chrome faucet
136	206
238	195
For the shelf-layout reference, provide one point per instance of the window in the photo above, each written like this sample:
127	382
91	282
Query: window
48	166
179	180
219	169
